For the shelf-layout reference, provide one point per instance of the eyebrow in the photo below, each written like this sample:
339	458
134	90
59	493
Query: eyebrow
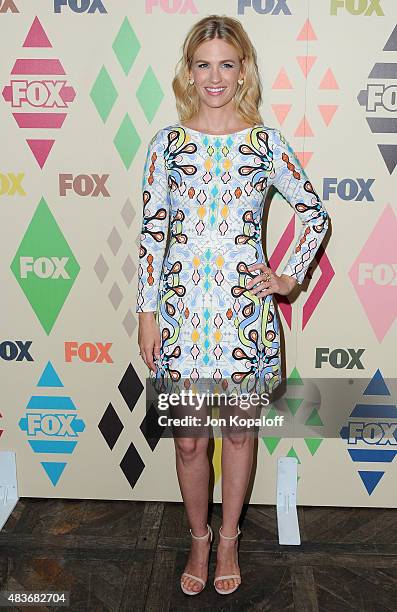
221	62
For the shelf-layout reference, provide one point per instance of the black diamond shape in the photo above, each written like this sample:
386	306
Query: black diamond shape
130	387
150	427
132	465
110	426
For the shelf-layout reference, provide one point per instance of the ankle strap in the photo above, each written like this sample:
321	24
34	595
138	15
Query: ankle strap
230	537
201	537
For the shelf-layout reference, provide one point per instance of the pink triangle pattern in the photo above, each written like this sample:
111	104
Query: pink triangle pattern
304	128
327	112
304	157
307	32
281	111
329	81
36	36
282	81
40	149
306	63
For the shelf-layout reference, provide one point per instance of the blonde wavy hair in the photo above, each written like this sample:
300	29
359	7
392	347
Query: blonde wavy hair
248	96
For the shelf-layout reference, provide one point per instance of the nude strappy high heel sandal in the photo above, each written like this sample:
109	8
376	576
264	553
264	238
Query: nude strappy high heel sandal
238	576
209	534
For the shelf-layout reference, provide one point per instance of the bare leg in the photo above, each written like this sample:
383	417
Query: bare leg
193	475
237	455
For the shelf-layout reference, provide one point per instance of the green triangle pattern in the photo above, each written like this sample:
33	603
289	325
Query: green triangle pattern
293	404
294	378
292	453
314	419
313	444
272	413
271	444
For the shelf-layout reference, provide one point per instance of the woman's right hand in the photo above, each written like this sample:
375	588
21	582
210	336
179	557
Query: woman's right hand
149	339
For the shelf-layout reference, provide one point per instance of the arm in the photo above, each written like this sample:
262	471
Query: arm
291	181
156	205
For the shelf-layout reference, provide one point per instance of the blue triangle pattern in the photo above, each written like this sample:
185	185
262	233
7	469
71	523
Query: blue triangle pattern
53	470
377	385
49	377
370	479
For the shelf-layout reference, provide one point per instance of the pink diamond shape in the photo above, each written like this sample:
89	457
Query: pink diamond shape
40	73
373	274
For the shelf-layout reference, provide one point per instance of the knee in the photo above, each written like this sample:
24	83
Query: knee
237	440
188	449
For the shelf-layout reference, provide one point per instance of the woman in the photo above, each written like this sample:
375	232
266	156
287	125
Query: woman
206	310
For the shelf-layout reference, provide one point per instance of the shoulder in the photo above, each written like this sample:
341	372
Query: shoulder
270	129
277	140
160	137
273	134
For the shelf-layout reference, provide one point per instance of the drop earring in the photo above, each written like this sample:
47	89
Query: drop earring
240	81
191	81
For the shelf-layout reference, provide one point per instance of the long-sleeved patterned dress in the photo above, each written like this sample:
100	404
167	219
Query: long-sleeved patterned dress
208	191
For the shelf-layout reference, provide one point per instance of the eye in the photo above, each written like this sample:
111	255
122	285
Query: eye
227	64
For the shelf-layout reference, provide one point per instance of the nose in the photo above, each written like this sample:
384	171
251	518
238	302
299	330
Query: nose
215	76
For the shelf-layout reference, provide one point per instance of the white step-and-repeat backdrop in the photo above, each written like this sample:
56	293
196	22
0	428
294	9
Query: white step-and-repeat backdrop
85	84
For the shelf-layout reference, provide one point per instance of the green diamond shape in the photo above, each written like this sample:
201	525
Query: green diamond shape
126	46
103	94
127	141
149	94
36	266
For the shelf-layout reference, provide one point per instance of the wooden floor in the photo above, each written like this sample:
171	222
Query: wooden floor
123	555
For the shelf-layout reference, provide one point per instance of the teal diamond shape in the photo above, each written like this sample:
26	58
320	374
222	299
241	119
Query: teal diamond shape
127	141
149	94
126	46
44	266
103	94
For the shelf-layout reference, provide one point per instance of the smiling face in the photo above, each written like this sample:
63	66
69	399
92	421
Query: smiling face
216	69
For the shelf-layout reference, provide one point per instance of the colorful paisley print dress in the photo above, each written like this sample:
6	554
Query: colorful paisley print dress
205	194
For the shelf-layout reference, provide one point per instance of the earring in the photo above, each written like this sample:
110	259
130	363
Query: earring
191	81
240	81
